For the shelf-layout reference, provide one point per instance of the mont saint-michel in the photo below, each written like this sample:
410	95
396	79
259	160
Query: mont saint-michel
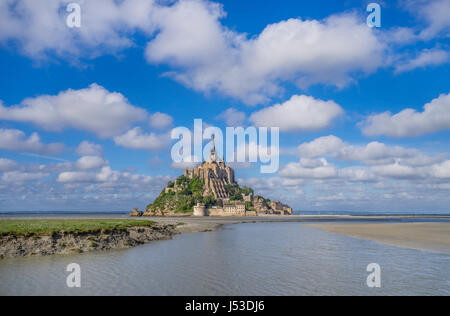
210	189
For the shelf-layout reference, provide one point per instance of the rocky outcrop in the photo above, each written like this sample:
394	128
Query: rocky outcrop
72	242
136	213
261	206
280	208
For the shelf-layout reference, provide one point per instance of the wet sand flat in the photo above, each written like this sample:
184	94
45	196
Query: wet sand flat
427	236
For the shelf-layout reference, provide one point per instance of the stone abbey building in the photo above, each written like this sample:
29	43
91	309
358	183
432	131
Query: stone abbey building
214	173
216	176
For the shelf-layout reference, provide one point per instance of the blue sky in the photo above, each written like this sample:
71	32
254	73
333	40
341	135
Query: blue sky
85	113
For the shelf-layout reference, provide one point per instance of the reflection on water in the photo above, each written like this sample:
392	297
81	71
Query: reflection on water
244	259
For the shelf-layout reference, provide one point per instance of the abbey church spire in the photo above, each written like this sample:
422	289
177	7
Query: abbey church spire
213	154
213	149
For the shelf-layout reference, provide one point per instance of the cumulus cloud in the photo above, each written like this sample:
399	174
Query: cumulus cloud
7	165
435	14
442	170
376	163
357	174
431	14
232	117
305	169
373	153
89	177
63	186
426	58
433	24
39	27
321	146
321	169
203	53
409	122
208	57
300	113
136	138
91	162
93	109
16	140
19	177
398	171
89	149
160	121
104	175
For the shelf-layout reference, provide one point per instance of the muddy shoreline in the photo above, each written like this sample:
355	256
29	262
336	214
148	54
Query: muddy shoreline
64	243
166	228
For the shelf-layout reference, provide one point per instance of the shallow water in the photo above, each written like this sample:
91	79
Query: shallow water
244	259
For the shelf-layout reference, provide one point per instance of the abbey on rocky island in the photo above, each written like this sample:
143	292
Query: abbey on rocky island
210	189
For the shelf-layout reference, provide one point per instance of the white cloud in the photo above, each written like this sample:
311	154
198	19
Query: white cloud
16	140
203	53
19	177
426	58
357	174
372	153
321	146
206	56
137	139
39	27
300	113
93	109
398	171
89	149
160	121
321	169
189	33
64	186
399	36
7	165
435	14
90	162
442	170
377	162
305	170
232	117
408	123
105	175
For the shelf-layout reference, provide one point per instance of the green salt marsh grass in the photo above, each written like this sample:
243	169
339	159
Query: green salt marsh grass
50	226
